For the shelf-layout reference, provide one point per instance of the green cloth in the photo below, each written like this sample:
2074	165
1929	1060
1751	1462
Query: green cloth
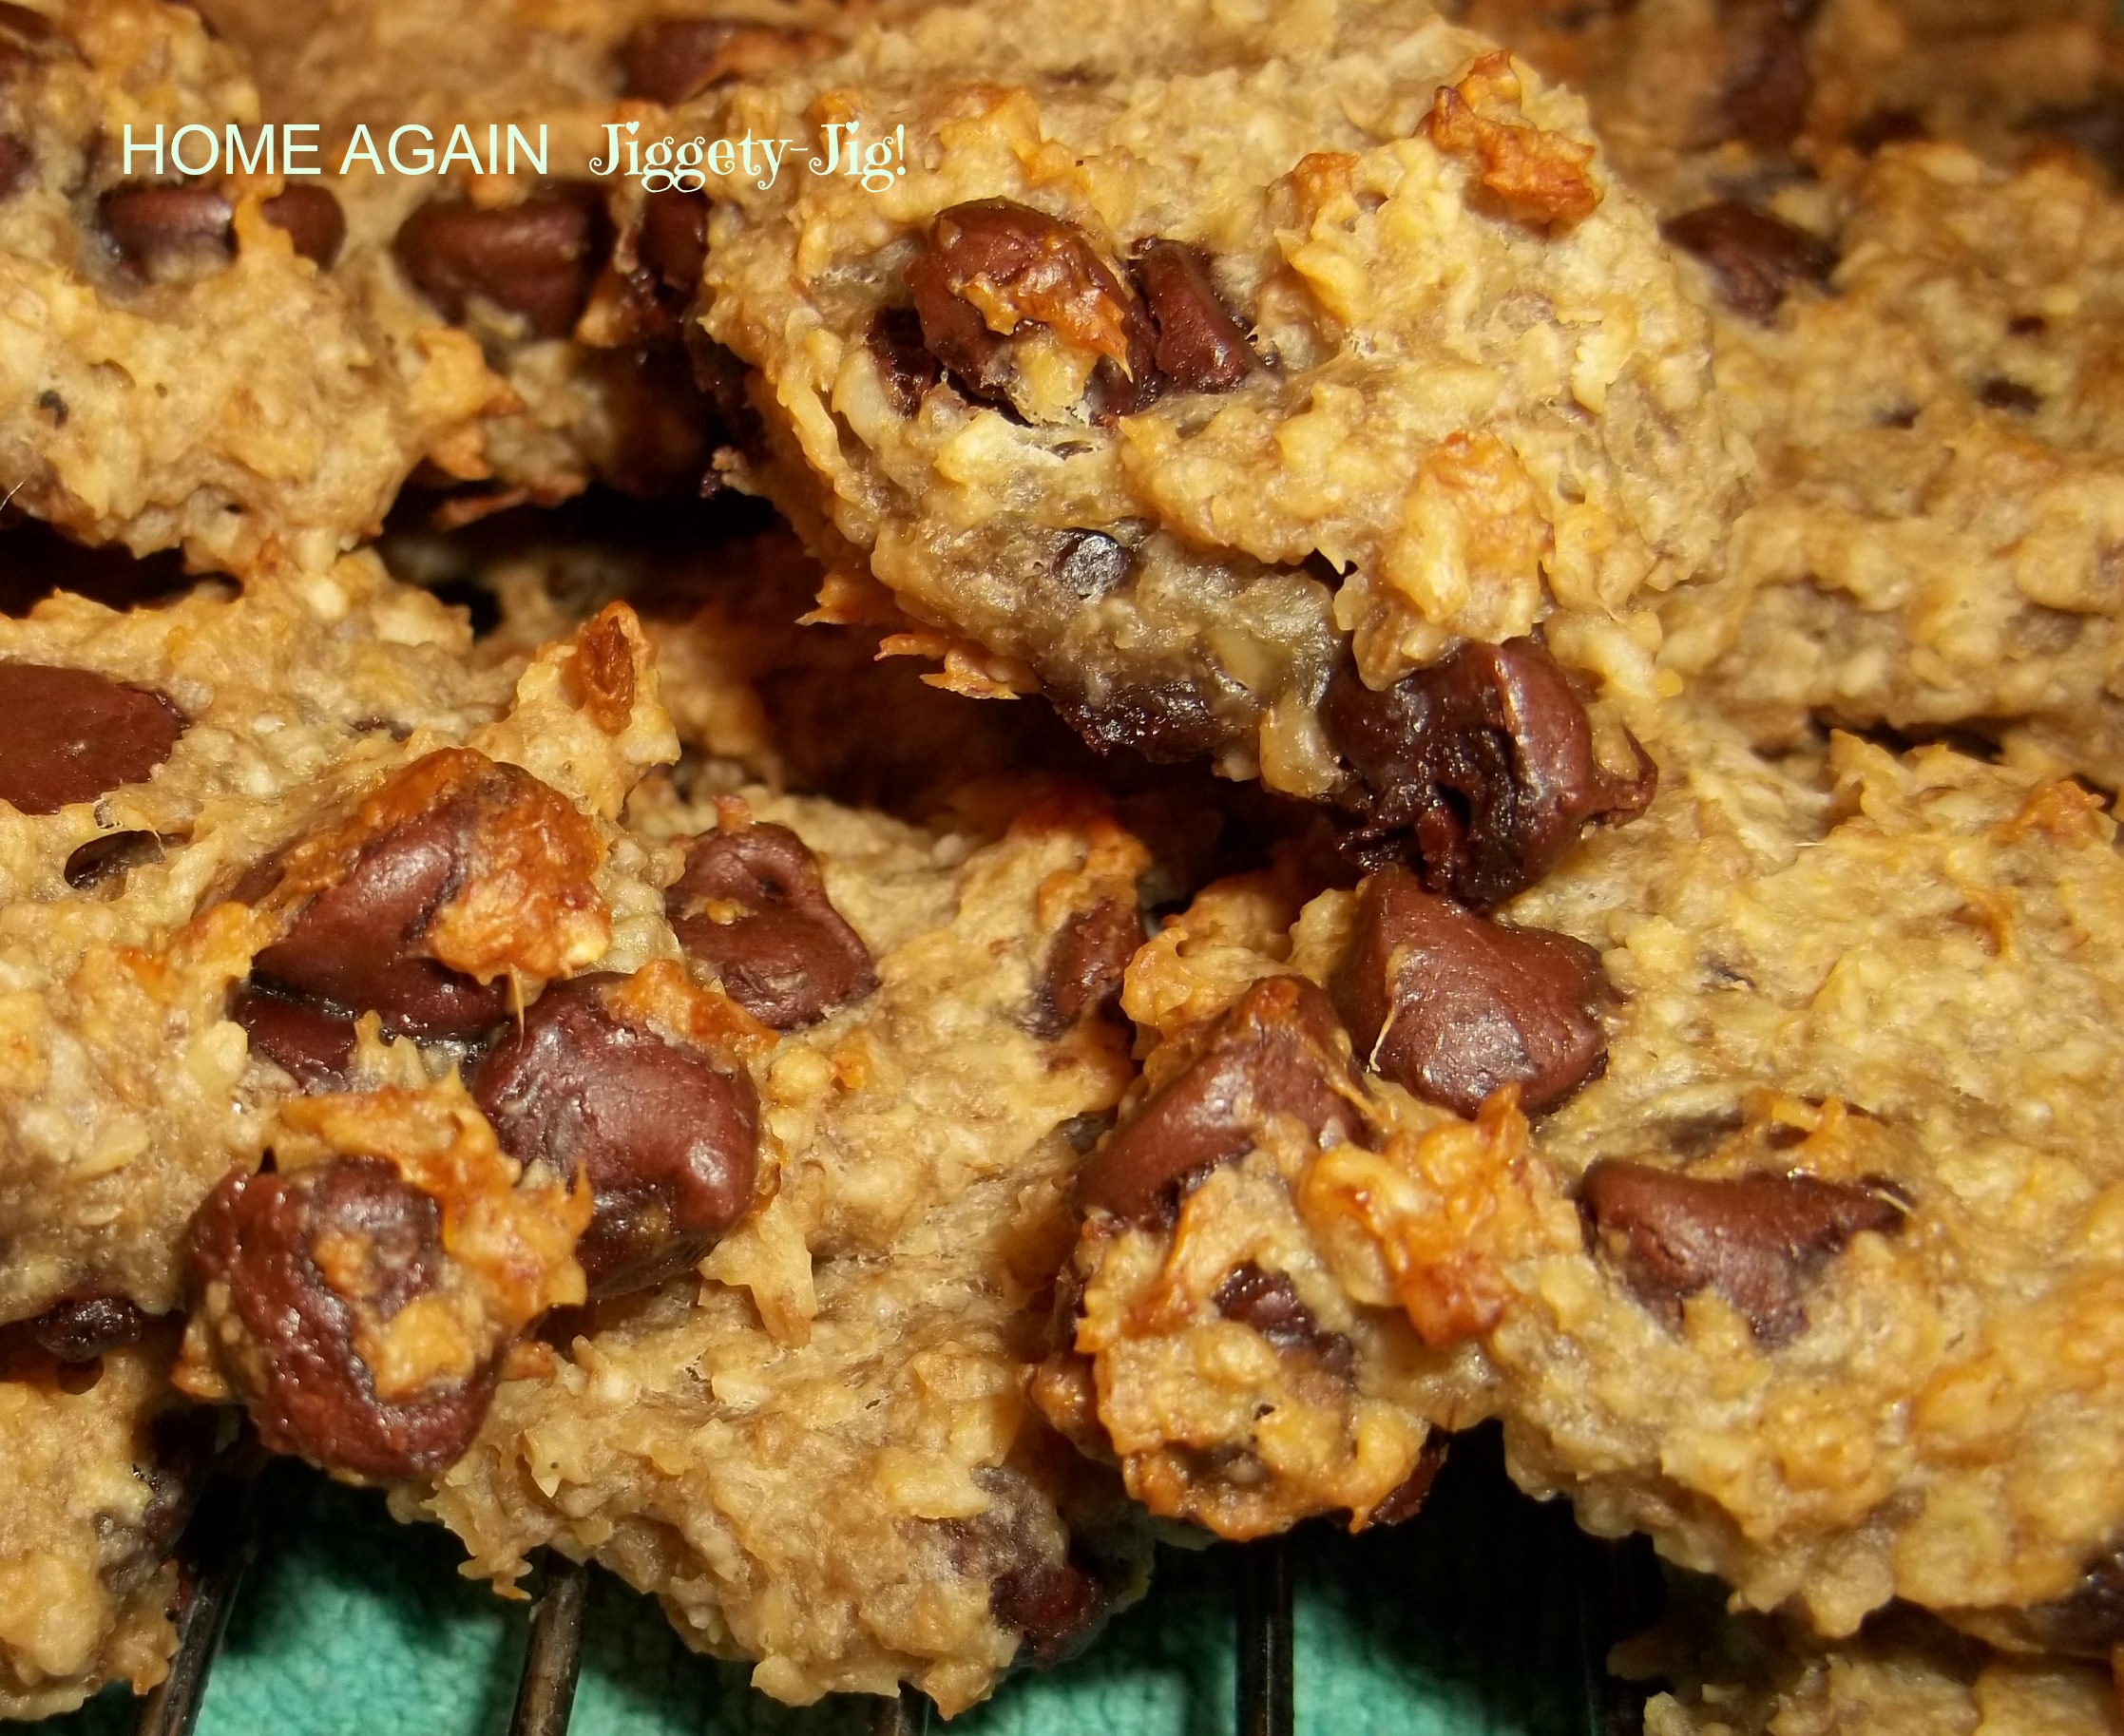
1475	1616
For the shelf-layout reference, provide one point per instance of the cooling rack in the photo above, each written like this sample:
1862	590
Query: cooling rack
1484	1614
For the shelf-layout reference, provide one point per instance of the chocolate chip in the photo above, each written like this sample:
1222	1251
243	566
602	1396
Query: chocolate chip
1767	85
2095	129
2001	393
17	160
150	224
360	945
81	1328
673	240
1268	1302
1452	1007
1092	563
312	220
2088	1621
1407	1496
669	59
1052	1606
111	857
753	905
25	26
537	257
1051	1591
1084	967
1200	347
312	1044
2027	325
175	1458
1752	1238
1885	127
1025	265
1479	771
72	736
1278	1051
1755	256
668	1138
310	1392
1166	722
908	368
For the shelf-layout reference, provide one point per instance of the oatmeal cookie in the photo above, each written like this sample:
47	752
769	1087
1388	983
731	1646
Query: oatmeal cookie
1753	1676
1192	368
817	1453
103	1467
212	808
1923	353
1810	1277
178	364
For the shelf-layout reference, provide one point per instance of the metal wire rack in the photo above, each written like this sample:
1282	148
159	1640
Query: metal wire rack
1617	1590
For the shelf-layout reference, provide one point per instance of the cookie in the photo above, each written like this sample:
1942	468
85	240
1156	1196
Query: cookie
103	1469
1787	1265
180	368
1920	352
817	1454
1746	1675
164	764
1199	375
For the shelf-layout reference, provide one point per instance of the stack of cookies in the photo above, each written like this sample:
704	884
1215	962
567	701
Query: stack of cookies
842	799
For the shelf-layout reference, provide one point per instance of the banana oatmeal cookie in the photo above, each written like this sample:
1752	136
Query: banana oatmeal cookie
818	1454
1905	1672
102	1470
1813	1278
1198	371
178	364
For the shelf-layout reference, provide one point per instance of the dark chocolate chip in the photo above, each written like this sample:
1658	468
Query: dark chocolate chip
1052	1592
1479	771
669	59
1278	1051
1752	1238
359	943
1452	1006
1885	127
1052	1605
1768	84
313	1044
2088	1621
668	1138
312	220
54	405
2002	394
17	160
784	953
537	257
1200	347
904	361
111	857
258	1235
1092	563
2027	325
1084	967
1268	1302
673	240
1166	722
81	1328
72	736
149	224
1755	256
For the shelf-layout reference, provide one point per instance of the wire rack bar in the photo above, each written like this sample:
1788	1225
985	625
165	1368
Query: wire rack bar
909	1715
546	1691
216	1549
1265	1645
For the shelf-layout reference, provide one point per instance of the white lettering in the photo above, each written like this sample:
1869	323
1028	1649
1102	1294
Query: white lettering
427	155
456	152
536	159
131	148
361	145
290	148
177	154
248	160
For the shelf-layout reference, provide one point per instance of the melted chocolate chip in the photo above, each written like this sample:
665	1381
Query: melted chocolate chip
669	59
1752	1238
72	736
1092	563
906	364
1166	722
1479	769
26	26
1053	1597
1885	127
537	257
111	857
1268	1302
1451	1006
312	220
673	240
81	1328
668	1138
1085	967
1755	256
312	1044
360	943
2011	395
149	224
1767	85
1280	1051
260	1235
753	905
1200	347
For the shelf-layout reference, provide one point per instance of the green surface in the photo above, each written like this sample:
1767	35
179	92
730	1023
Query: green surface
1471	1618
